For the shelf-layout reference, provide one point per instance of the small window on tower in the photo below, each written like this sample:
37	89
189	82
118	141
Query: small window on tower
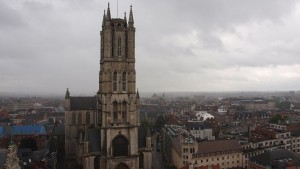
115	81
115	111
124	81
119	47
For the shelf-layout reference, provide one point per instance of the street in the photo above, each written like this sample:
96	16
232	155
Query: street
156	156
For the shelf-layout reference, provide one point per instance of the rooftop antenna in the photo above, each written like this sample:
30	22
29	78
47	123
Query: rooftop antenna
117	8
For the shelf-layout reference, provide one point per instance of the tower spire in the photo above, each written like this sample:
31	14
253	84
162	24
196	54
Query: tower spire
108	13
131	22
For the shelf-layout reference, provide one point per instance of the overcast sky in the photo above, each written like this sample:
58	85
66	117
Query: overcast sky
192	45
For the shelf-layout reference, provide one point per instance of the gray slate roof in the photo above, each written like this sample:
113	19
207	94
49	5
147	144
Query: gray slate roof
83	103
197	125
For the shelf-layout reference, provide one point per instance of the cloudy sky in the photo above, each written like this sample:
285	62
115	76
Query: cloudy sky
194	45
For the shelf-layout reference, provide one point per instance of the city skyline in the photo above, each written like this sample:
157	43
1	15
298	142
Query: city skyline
47	46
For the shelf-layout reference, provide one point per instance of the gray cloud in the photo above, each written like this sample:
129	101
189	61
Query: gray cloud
193	45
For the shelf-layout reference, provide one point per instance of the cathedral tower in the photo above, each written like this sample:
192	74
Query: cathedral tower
103	131
117	99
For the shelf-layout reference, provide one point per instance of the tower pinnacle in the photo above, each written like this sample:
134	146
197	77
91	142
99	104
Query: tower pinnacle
104	16
137	94
108	13
125	19
67	96
131	22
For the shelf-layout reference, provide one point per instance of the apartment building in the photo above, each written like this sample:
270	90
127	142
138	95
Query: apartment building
224	153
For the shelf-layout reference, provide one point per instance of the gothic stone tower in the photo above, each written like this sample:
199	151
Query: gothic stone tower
102	131
118	100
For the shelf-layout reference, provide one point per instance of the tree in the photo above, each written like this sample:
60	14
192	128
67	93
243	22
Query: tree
277	119
160	122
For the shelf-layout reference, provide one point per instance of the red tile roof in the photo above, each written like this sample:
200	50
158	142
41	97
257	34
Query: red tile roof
218	146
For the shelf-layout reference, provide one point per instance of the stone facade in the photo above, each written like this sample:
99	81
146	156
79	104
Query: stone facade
12	161
103	131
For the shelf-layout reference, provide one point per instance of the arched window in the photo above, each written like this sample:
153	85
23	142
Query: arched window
115	111
88	118
124	111
79	118
74	118
119	46
115	81
96	163
124	81
141	161
120	146
122	166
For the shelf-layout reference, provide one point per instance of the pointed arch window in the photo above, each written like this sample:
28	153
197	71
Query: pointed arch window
73	118
141	160
96	163
115	111
124	81
122	166
120	146
79	117
124	111
88	118
119	47
115	81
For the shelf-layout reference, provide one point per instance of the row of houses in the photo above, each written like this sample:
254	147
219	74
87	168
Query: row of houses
182	148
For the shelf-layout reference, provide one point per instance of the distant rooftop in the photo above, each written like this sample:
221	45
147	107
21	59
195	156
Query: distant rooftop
31	129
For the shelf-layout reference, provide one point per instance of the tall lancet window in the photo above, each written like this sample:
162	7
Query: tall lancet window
88	118
115	81
119	47
115	111
124	81
124	110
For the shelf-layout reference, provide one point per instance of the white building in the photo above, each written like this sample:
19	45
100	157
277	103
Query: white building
202	116
200	130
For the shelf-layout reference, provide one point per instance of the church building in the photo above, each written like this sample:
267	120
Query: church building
103	131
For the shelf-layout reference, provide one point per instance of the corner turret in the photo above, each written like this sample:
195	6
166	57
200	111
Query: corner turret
67	100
